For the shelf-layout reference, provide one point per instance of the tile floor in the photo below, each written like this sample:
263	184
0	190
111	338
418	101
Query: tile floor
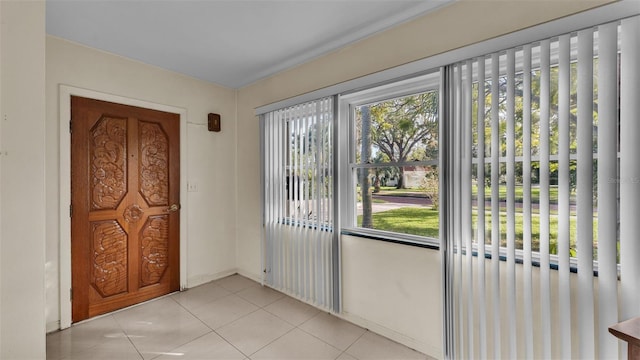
231	318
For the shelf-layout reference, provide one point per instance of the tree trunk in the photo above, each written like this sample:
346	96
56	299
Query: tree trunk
376	182
401	184
367	218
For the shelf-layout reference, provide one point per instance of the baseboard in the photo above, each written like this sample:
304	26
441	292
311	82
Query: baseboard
53	326
196	280
255	277
392	334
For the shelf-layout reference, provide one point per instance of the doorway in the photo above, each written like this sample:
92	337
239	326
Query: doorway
125	196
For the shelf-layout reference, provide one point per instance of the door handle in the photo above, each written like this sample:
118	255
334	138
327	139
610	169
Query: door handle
173	208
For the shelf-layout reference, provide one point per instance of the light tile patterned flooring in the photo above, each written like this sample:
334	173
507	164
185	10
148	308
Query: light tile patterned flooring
231	318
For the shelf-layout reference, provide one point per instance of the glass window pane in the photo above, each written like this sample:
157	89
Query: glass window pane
381	205
397	130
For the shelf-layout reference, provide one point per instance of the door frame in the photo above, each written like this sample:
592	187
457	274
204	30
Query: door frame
66	91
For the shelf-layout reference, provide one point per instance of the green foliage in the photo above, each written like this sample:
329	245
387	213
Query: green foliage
403	129
401	126
535	113
431	186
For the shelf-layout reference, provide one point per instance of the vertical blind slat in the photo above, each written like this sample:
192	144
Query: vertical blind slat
482	313
607	189
267	196
545	282
272	190
457	224
466	199
291	271
273	254
281	131
318	193
585	194
298	241
629	168
526	202
511	206
271	206
564	285
495	203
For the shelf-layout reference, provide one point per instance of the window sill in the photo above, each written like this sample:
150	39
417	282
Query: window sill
434	244
378	235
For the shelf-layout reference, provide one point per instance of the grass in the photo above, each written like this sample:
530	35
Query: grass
425	222
407	220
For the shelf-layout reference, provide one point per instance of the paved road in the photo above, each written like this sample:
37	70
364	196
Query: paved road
394	202
404	199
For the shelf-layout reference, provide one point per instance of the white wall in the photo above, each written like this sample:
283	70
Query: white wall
22	220
394	290
211	156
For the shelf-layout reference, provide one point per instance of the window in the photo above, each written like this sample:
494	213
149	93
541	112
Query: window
393	177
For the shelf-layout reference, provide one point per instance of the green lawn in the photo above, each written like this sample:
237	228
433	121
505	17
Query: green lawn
407	220
425	222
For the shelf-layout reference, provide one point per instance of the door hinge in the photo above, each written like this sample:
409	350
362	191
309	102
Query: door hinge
70	126
70	210
71	294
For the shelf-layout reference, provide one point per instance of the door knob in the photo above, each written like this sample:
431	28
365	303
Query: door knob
173	208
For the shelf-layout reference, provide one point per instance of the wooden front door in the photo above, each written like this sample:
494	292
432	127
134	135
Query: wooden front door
125	198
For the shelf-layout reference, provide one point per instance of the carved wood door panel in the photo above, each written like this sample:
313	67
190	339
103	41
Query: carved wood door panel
125	195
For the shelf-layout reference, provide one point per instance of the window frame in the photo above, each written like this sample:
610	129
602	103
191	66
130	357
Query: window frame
346	151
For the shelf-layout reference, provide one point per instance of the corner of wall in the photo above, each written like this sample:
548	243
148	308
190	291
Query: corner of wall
236	175
1	162
22	71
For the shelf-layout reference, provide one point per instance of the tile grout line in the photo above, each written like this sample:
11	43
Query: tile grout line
322	340
127	336
355	341
272	341
231	322
158	355
209	327
259	308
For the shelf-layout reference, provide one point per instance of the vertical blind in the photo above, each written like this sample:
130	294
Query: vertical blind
545	150
298	200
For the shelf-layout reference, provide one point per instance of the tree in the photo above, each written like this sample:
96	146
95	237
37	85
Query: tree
405	129
367	213
535	99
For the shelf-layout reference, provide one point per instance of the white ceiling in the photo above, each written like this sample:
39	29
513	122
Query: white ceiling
228	42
